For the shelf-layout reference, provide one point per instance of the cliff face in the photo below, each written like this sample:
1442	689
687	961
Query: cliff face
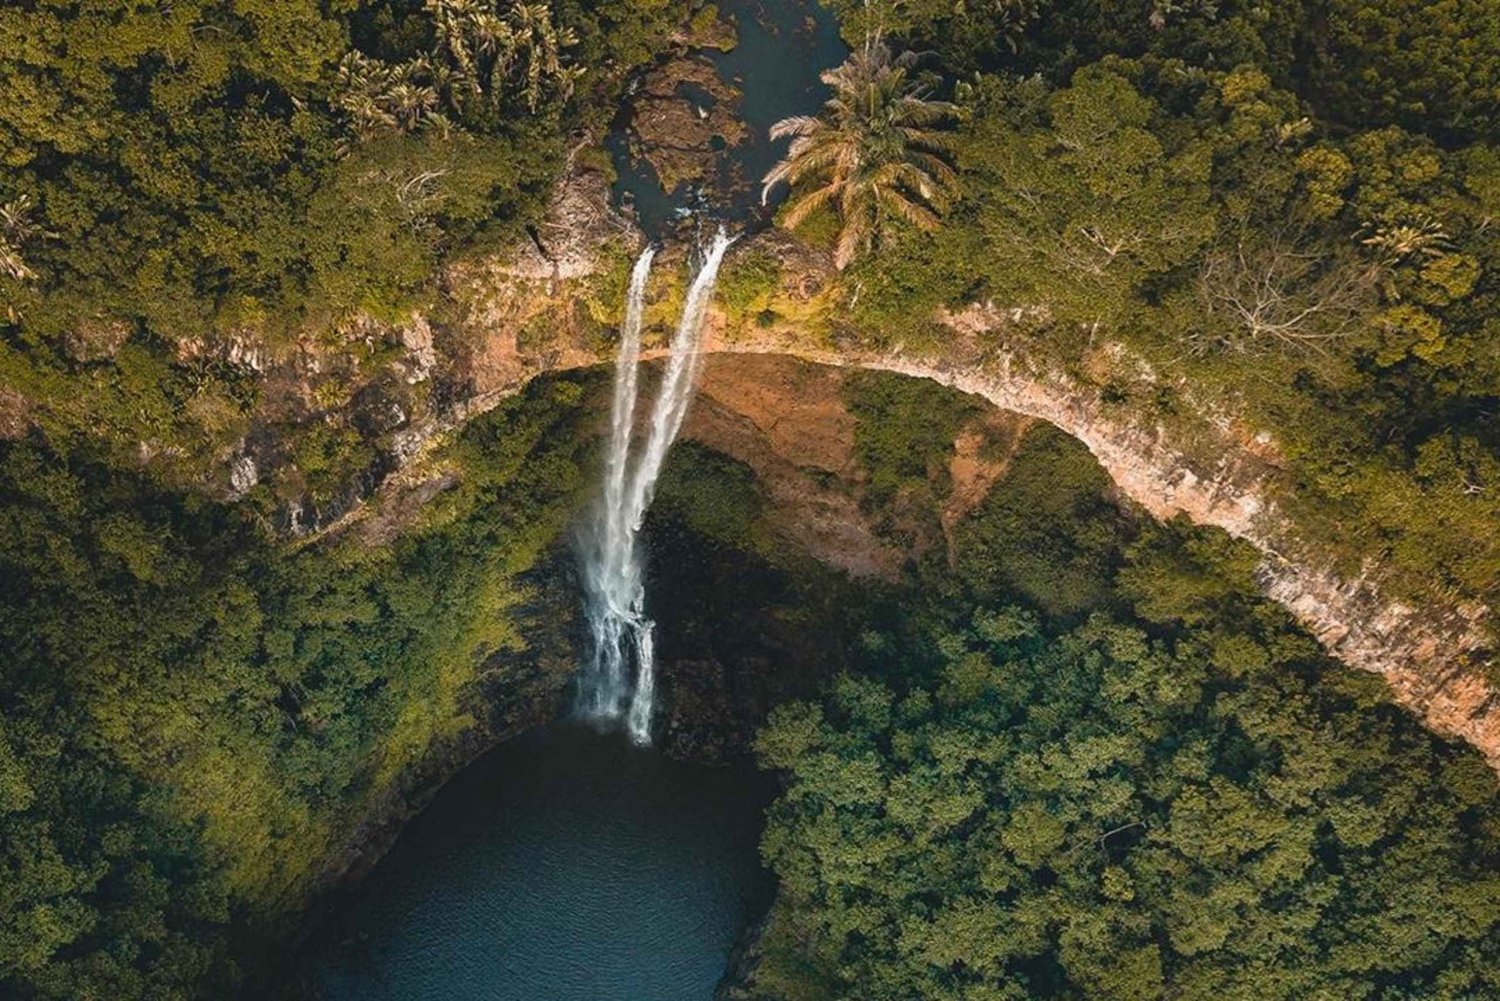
788	422
551	307
1433	658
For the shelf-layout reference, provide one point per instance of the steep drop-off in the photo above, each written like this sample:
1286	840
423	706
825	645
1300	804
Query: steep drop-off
508	319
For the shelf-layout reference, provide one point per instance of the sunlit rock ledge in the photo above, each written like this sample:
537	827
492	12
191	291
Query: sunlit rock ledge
548	307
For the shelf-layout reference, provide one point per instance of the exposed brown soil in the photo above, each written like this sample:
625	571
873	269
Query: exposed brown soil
981	455
14	414
787	421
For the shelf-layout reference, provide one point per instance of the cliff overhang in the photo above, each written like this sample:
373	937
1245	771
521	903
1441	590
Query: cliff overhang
514	318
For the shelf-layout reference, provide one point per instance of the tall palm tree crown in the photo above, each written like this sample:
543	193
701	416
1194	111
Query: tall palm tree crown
484	51
874	153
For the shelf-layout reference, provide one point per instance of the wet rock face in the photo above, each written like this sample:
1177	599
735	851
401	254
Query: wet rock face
708	716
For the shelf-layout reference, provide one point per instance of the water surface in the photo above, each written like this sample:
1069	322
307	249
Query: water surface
564	866
782	48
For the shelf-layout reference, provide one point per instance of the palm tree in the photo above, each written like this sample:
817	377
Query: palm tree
539	43
483	52
874	153
378	97
17	225
470	41
483	47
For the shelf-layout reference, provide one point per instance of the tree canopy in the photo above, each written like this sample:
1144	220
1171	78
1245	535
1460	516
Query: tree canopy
196	718
1179	796
1099	814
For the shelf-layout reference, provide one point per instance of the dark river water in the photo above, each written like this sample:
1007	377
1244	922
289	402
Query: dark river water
564	866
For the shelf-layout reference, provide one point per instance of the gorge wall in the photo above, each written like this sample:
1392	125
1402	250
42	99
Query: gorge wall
1433	658
551	304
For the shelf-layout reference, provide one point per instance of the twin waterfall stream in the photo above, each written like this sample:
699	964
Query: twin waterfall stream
618	676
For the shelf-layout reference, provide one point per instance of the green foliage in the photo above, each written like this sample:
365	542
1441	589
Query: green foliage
748	284
1428	67
903	437
1199	805
483	56
876	156
165	149
196	719
1049	529
1332	289
966	34
713	496
1082	201
185	177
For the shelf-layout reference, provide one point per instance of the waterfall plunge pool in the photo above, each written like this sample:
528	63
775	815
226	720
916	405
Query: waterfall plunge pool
565	865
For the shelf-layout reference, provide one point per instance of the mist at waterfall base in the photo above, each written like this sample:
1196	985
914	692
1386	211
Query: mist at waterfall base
563	866
618	676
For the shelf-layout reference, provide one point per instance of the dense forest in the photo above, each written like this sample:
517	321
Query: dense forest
196	716
1289	207
180	176
1107	768
1086	759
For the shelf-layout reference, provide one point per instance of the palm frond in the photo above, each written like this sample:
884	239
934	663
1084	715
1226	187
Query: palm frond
912	211
877	152
798	125
854	236
804	205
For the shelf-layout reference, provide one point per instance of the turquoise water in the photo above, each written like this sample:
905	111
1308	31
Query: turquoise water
564	866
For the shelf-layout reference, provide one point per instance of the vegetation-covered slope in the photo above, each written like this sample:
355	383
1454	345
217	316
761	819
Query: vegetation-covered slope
1284	214
197	719
1105	767
1172	179
192	188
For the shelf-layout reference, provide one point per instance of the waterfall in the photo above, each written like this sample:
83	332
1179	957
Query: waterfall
612	581
620	631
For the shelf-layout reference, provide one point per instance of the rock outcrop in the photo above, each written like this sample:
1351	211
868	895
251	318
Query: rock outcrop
788	422
683	116
1434	658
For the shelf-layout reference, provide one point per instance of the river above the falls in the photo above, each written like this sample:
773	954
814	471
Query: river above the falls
566	865
780	49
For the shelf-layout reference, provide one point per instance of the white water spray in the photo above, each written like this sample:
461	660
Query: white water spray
613	576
